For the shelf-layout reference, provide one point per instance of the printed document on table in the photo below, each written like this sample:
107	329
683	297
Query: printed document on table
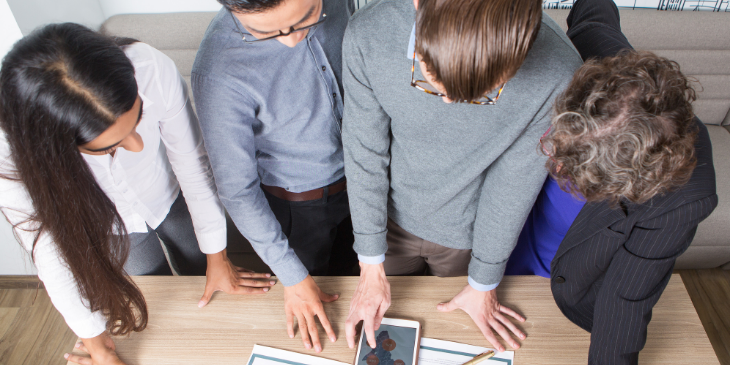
438	352
263	355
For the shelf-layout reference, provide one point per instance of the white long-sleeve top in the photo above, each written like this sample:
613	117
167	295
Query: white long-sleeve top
143	185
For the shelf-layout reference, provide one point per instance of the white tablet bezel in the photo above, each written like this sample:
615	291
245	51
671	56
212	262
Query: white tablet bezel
399	323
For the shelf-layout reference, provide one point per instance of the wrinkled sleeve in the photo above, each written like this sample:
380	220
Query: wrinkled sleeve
226	118
187	154
510	188
366	140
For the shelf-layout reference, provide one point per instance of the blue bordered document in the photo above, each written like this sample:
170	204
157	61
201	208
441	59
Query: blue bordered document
262	355
438	352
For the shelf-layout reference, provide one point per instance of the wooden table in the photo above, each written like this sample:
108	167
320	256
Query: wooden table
225	331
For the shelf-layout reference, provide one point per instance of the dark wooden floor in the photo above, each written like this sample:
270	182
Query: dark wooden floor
32	332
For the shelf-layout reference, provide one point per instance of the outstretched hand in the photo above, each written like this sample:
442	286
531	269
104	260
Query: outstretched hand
222	275
488	314
303	301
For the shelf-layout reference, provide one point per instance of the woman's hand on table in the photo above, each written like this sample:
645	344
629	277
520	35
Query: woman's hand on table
485	310
222	275
304	301
369	303
101	349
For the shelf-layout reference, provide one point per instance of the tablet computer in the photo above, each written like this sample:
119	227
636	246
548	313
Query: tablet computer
396	344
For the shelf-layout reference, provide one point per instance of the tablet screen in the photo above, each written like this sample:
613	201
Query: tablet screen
394	346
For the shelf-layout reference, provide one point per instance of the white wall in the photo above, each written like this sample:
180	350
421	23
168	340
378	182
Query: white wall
31	14
114	7
13	259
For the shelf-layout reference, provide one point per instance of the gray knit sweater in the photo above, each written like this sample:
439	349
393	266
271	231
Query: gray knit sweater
460	175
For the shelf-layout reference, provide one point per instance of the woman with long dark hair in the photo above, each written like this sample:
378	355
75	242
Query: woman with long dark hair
99	140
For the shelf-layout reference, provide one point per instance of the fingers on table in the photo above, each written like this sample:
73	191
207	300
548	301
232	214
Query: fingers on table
253	275
302	323
506	321
319	312
290	324
256	283
82	347
328	298
496	324
508	311
79	359
488	334
249	290
311	326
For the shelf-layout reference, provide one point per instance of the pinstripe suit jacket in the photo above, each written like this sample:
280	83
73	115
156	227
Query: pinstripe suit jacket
613	264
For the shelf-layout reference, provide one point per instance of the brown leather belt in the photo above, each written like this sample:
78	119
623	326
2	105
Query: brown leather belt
284	194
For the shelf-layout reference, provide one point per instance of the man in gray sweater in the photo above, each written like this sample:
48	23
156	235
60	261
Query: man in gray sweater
443	172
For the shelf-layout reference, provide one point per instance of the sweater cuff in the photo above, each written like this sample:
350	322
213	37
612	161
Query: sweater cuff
371	260
481	287
484	273
370	244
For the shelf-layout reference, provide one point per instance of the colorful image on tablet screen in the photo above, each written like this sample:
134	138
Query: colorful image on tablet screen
394	346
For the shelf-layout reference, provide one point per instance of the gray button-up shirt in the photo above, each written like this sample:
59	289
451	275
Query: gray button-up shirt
271	114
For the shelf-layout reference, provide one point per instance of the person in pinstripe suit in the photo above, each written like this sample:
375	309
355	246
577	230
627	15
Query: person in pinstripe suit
643	199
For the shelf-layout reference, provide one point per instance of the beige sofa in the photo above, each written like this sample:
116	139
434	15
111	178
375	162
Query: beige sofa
697	40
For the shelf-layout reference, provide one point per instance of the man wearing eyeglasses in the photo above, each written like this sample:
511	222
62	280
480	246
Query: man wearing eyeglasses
441	131
267	88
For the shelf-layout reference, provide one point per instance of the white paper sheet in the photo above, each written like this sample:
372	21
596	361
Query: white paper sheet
438	352
262	355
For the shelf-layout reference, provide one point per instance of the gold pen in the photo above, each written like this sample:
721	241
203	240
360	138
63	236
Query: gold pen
479	358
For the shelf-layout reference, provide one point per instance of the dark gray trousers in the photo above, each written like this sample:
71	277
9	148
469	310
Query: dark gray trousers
146	256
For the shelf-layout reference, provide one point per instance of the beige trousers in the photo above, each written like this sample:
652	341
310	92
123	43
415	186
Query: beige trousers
409	254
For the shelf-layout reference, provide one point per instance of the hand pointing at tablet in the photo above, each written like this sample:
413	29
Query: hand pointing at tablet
369	303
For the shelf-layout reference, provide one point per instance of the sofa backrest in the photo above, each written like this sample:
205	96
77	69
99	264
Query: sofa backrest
178	35
698	41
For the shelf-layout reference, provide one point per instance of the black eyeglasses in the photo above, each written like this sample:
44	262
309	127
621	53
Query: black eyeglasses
281	34
424	86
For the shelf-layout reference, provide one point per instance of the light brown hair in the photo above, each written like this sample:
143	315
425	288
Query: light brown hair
470	46
623	129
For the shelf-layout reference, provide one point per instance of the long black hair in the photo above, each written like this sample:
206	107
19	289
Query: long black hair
60	87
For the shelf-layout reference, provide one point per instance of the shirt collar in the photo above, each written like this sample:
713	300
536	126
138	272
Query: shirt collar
146	102
412	43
